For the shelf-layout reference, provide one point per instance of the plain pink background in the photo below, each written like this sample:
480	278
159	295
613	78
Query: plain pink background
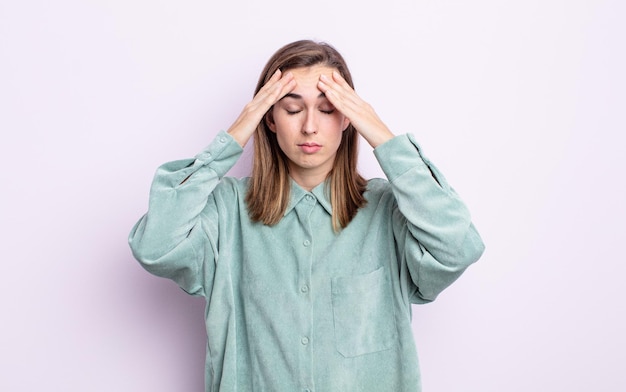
520	104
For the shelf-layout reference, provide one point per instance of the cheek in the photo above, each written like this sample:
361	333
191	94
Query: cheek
285	123
334	123
334	133
285	130
283	142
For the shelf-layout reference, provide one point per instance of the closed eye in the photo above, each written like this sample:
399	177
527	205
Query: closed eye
292	112
328	111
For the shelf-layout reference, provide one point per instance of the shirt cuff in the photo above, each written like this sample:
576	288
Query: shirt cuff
221	154
398	155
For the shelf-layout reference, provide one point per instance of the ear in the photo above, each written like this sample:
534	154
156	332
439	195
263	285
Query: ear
346	123
269	120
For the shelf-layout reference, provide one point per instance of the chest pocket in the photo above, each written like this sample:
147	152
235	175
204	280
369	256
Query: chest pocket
363	313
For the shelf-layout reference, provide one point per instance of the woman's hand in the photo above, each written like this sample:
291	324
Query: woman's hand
276	87
360	113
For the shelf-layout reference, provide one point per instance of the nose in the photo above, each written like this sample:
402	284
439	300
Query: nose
310	124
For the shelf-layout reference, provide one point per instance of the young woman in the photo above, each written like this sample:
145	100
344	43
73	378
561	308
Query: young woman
308	270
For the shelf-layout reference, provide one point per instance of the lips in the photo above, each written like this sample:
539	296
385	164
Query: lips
310	147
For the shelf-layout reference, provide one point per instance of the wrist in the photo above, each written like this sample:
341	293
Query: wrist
379	137
239	136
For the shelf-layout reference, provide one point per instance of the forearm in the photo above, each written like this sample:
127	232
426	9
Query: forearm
179	193
435	215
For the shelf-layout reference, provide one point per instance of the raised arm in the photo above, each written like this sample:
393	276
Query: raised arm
435	237
177	237
432	226
360	113
171	240
275	88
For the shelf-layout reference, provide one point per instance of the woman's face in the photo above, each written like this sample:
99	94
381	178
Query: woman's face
307	126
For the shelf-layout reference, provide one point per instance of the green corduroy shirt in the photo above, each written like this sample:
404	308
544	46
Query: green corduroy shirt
297	306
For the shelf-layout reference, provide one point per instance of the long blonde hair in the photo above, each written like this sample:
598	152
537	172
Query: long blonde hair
269	187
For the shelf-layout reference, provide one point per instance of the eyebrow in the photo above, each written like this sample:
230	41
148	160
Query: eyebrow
298	96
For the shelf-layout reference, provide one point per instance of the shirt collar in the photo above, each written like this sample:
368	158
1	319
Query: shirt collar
321	193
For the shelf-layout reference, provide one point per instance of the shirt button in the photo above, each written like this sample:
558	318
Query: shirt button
307	390
205	156
223	139
304	341
306	243
309	197
304	288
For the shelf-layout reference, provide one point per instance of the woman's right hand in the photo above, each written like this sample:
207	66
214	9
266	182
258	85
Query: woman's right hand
276	87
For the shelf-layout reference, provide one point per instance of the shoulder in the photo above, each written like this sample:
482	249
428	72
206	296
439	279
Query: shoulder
378	190
231	188
229	198
377	184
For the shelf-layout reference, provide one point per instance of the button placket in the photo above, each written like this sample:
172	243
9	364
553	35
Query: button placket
308	205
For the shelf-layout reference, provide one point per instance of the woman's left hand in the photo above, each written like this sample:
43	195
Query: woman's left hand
360	113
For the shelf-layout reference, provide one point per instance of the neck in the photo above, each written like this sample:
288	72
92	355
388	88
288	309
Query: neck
308	180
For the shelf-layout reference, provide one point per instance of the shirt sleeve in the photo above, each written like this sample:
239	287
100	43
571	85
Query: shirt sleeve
434	232
170	240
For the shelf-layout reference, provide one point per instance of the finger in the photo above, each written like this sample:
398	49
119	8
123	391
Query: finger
282	87
344	99
340	80
276	88
275	76
333	95
337	82
340	87
270	83
288	83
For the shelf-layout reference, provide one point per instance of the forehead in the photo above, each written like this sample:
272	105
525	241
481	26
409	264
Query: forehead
307	78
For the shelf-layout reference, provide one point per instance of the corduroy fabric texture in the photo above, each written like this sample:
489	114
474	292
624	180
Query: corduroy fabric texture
297	306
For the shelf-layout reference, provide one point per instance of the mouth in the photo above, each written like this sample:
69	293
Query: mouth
310	147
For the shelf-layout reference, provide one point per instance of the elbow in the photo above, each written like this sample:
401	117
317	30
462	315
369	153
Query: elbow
144	249
472	248
153	260
153	254
460	254
135	240
143	253
166	259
